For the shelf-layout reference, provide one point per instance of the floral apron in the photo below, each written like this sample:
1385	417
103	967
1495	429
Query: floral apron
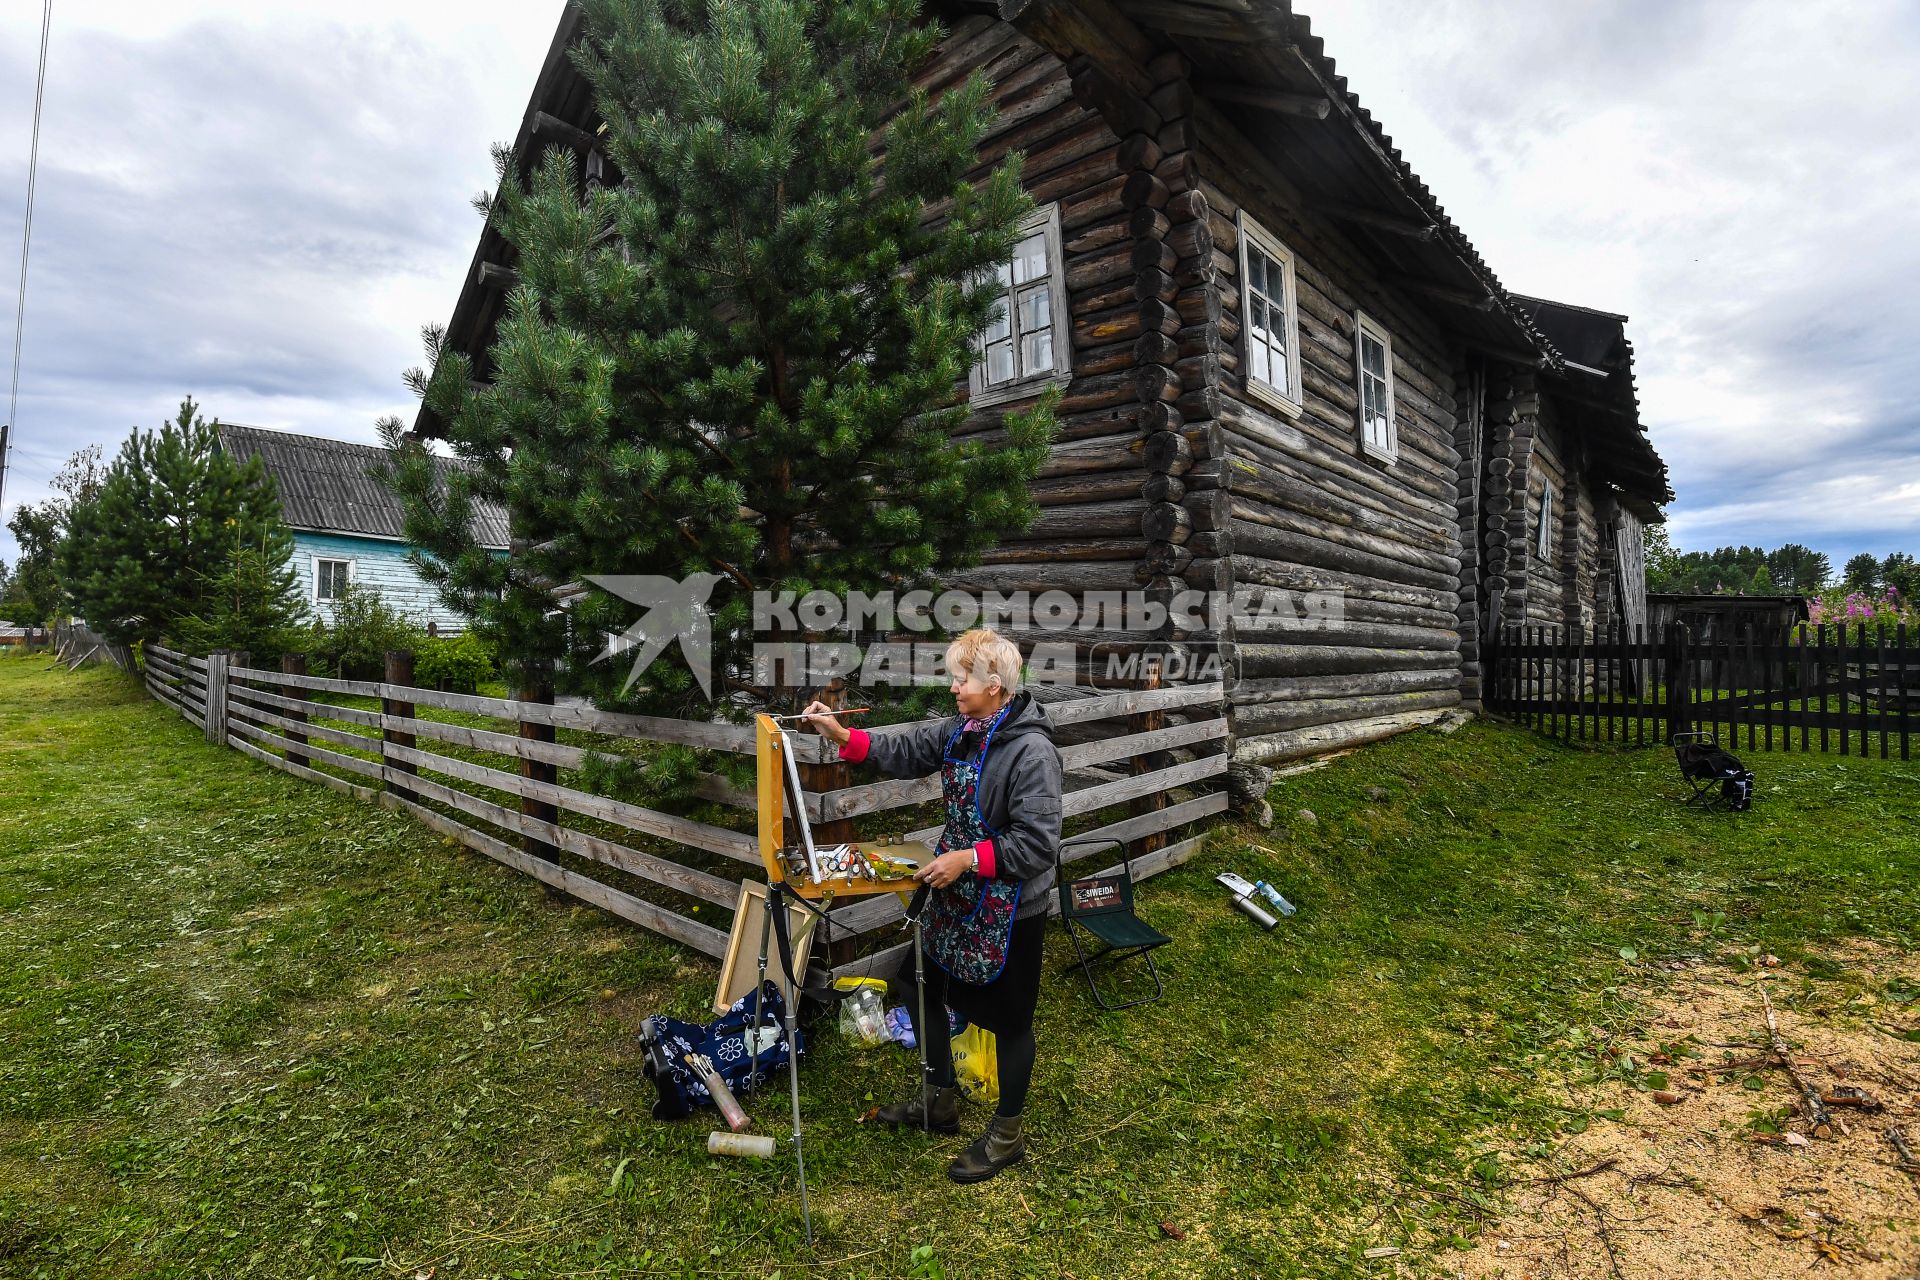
969	924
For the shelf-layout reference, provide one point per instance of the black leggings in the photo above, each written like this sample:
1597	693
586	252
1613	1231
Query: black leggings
1004	1007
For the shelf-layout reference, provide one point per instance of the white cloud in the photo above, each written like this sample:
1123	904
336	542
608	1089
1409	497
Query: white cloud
1736	176
255	205
261	204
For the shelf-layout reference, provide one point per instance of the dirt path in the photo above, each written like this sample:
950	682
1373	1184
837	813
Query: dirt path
1715	1177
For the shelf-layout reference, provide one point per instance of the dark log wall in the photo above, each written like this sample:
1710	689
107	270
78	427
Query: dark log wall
1305	510
1089	534
1512	423
1569	589
1547	596
1470	437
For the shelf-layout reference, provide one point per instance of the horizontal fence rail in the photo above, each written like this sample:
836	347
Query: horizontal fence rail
1845	690
1144	766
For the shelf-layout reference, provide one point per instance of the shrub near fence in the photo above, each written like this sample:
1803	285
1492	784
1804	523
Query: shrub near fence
491	773
1840	689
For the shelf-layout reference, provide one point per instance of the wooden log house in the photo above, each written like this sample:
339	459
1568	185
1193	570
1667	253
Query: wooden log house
1282	364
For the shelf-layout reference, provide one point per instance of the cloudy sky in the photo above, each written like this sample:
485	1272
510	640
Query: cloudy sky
260	204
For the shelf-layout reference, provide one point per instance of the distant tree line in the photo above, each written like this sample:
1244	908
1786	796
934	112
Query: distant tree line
174	538
1788	570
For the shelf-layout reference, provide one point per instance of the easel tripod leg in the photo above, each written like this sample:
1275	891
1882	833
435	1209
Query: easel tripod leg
793	1054
760	987
920	992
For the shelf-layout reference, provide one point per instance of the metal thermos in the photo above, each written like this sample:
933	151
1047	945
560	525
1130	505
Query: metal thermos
1243	895
1254	912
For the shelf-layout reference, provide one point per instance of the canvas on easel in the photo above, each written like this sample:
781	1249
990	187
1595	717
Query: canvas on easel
742	959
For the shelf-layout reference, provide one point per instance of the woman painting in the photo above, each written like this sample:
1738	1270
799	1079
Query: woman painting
988	884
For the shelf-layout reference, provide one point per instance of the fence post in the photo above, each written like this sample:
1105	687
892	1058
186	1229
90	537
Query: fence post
400	673
295	664
538	689
216	726
1146	762
1679	699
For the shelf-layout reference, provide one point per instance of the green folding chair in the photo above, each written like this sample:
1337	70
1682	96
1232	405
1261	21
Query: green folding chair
1101	907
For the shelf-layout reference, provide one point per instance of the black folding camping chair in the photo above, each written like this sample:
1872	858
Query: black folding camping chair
1101	907
1716	775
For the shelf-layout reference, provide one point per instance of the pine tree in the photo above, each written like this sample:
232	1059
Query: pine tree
742	360
252	603
1901	572
1862	574
144	551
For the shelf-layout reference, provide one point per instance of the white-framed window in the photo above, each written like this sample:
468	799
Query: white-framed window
1028	346
1543	539
1373	375
331	578
1269	318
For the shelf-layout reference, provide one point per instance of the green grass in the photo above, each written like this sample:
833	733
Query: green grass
249	1027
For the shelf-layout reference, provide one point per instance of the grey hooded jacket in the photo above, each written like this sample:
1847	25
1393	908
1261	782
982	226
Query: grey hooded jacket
1019	792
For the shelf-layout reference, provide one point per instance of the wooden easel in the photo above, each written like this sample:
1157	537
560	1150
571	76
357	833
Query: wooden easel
789	867
777	776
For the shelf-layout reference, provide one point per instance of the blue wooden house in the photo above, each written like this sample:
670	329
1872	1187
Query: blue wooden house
347	527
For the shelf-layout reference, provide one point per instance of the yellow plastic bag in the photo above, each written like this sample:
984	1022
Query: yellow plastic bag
976	1066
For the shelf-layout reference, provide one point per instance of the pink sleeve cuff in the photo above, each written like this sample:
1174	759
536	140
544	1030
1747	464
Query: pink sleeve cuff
855	748
985	850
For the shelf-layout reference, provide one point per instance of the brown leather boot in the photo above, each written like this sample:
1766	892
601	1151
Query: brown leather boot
943	1113
1001	1145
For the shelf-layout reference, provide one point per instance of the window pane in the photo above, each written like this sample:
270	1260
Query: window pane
1257	270
1036	309
999	363
1258	318
1036	352
1030	259
1373	356
1262	369
1006	274
997	327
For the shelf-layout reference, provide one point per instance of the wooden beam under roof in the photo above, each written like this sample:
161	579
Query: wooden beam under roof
1378	219
1234	22
1308	106
491	275
1510	355
547	129
1478	299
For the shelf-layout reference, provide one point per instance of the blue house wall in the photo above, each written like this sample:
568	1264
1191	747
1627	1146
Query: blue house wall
379	563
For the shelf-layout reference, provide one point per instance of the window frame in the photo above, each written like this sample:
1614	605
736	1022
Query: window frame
1543	536
1046	220
1364	327
1290	399
318	578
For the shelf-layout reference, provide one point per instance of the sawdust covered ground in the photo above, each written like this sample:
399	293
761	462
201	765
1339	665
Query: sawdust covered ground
1715	1176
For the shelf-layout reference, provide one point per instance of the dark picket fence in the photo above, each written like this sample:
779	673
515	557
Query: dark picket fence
1835	688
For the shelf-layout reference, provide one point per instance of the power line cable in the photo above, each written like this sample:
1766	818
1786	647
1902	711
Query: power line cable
26	245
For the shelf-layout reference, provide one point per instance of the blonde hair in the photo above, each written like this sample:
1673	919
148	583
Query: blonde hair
985	653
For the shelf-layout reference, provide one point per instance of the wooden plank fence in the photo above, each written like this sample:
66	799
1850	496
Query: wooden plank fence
1832	689
508	788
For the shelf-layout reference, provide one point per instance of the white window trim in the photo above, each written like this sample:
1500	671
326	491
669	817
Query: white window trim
1543	539
317	561
1288	399
978	392
1367	325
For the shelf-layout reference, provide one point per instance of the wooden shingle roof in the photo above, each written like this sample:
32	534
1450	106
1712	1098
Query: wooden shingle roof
327	486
